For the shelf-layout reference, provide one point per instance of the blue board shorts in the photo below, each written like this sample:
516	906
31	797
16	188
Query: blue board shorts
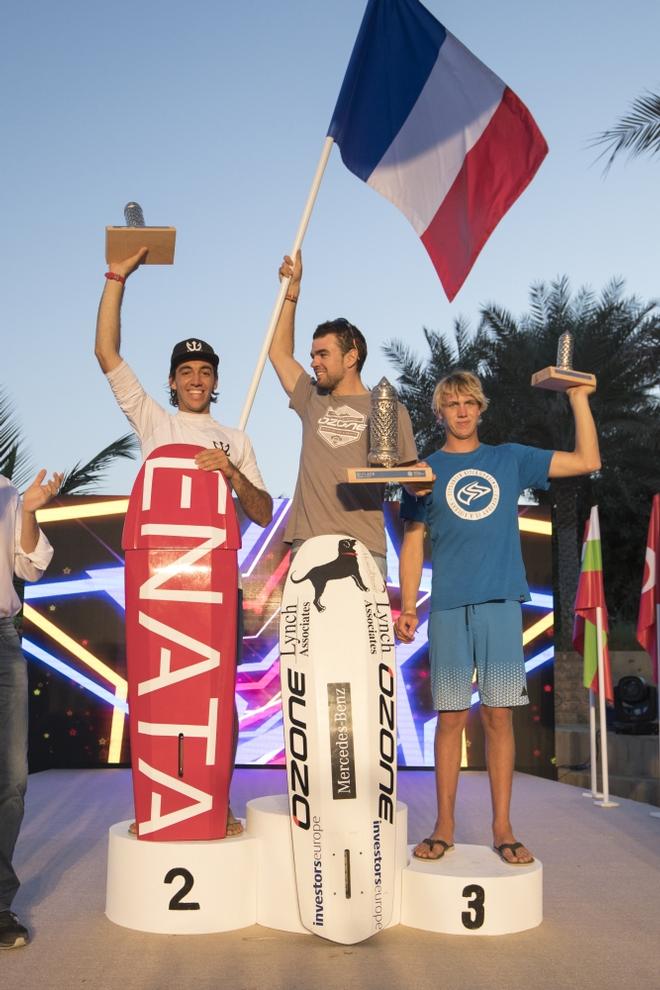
486	638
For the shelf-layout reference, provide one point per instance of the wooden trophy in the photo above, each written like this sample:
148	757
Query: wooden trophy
383	444
563	376
123	242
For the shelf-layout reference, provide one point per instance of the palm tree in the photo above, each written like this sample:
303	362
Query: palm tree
15	463
417	379
618	339
81	480
637	132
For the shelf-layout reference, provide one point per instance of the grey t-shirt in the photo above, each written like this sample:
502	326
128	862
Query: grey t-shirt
335	436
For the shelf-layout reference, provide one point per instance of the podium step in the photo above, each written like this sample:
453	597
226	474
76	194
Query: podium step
470	891
181	888
277	902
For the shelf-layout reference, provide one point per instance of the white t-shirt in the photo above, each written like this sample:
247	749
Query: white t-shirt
155	426
14	560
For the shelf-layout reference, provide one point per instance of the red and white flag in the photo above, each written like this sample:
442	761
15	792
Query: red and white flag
647	628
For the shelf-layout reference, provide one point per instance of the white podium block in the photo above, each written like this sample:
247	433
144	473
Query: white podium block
277	900
181	888
470	891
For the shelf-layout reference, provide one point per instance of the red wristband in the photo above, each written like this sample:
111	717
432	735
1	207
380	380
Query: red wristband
115	277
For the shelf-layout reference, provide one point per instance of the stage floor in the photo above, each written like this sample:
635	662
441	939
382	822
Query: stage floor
601	880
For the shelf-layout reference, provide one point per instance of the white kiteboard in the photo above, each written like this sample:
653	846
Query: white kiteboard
338	681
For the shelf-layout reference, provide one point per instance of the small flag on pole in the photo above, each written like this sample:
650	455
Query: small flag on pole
647	629
425	123
591	596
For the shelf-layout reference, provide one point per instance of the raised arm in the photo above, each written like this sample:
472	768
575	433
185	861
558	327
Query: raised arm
288	370
108	333
585	458
411	561
36	497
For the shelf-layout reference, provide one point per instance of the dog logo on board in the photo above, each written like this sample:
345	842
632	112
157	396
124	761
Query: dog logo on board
339	427
344	565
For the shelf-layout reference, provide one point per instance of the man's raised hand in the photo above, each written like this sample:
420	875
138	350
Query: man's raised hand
128	265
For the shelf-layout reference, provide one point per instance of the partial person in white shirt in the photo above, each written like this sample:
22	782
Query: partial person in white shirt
26	553
193	381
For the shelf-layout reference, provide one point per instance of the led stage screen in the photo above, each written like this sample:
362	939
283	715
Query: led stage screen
73	637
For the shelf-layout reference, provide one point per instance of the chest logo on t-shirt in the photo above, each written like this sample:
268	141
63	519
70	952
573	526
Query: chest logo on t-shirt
472	494
339	427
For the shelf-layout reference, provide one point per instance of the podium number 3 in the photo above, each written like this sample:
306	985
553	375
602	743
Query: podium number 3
177	903
474	918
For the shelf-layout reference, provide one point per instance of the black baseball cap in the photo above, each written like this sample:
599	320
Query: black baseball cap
192	350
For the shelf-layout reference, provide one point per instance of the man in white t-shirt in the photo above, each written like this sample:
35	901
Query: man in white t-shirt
193	381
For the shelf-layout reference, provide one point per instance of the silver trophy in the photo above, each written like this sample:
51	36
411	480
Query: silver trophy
383	426
133	215
562	376
384	444
124	242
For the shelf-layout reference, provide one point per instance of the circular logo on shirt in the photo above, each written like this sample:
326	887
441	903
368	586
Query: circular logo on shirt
472	494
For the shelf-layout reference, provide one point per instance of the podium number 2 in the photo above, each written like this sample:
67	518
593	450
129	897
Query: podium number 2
177	903
474	918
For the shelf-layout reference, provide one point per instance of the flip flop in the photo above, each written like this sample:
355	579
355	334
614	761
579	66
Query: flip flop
446	846
512	847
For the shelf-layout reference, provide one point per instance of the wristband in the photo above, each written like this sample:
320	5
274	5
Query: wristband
292	299
115	277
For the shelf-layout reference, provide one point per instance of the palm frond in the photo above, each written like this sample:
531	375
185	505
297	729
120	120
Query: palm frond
82	479
14	461
637	132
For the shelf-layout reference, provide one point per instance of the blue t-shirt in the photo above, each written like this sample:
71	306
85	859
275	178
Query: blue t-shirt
473	521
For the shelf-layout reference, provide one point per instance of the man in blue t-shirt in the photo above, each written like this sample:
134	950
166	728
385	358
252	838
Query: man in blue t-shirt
477	587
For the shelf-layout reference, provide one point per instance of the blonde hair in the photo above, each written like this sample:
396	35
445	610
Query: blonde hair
458	381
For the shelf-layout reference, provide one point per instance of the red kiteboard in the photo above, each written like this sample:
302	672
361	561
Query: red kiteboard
180	540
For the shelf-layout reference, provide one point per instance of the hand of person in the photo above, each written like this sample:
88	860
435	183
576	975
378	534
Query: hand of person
128	265
578	390
406	626
419	488
292	270
40	493
215	459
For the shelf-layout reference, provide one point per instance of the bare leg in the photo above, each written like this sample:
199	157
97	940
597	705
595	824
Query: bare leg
448	733
500	759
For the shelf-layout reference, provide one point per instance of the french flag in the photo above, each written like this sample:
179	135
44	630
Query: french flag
425	123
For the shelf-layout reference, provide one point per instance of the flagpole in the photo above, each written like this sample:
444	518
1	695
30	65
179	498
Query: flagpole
656	814
604	768
593	753
284	286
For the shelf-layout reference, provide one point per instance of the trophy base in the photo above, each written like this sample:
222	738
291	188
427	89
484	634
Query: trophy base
388	476
123	242
561	379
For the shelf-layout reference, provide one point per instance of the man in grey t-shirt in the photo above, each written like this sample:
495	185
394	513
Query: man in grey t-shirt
334	410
